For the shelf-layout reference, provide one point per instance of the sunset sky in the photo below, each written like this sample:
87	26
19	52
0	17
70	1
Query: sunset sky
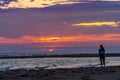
30	25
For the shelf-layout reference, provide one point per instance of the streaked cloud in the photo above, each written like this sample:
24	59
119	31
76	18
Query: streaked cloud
76	38
34	3
32	39
5	4
97	24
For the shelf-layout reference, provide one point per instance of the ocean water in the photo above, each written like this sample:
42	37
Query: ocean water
53	63
21	51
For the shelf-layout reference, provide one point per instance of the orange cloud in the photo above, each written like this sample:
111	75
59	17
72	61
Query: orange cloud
54	39
78	38
94	24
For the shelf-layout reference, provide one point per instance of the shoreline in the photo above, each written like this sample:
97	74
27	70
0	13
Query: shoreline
83	73
60	56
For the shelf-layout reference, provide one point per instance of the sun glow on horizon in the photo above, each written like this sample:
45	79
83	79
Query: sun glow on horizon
49	39
76	38
50	50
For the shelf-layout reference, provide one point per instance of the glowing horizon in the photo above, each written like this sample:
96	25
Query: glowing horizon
77	38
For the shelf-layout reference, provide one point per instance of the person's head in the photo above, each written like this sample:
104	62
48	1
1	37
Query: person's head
101	46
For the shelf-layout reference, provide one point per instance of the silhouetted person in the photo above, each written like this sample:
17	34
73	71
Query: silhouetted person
102	55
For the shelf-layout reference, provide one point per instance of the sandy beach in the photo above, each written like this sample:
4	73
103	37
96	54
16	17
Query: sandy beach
89	73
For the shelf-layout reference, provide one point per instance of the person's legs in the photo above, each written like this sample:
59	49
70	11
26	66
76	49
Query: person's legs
104	60
101	62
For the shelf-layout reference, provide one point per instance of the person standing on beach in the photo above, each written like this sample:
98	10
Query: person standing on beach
102	55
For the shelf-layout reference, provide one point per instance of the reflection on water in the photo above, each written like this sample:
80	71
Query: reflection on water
51	63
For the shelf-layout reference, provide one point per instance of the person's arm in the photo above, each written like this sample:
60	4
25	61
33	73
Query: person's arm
99	51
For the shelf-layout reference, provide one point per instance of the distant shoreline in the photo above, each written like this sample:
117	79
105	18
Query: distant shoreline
60	56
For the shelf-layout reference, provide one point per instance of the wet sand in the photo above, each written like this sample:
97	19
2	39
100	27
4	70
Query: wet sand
91	73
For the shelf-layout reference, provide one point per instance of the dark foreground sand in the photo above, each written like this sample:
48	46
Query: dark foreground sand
98	73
